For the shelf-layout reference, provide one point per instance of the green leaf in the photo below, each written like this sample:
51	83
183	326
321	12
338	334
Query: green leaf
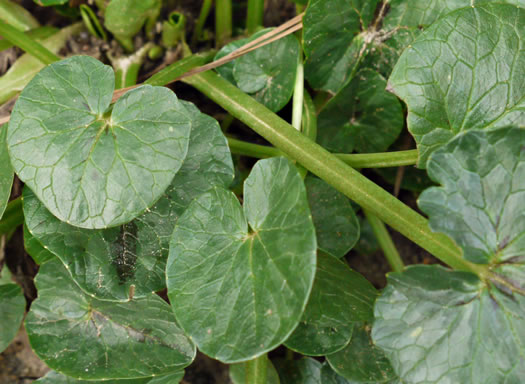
336	225
12	309
361	361
329	376
233	289
86	338
340	297
414	179
35	249
238	373
93	167
56	378
47	3
479	203
330	27
451	77
268	73
363	116
6	171
367	243
437	324
17	16
125	18
303	371
106	263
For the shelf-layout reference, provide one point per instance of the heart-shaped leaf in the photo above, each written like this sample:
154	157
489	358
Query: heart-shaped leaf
56	378
330	27
336	225
105	263
340	298
452	80
86	338
268	73
239	278
361	361
363	116
6	171
91	166
433	323
12	309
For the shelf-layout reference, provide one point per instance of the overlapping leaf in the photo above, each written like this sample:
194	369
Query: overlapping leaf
363	116
92	167
452	77
6	171
329	376
56	378
336	225
86	338
238	373
435	324
125	18
303	371
35	249
239	278
12	309
340	298
105	263
268	73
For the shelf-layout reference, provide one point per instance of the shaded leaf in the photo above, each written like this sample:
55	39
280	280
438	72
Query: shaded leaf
340	297
363	116
36	250
91	169
452	80
303	371
250	293
336	225
361	361
414	179
6	171
268	73
238	373
367	243
12	309
329	376
105	263
86	338
436	324
47	3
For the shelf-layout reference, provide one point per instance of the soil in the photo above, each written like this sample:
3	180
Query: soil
18	363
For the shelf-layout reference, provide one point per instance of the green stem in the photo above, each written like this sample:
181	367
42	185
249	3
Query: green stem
174	29
13	216
254	16
30	46
223	21
39	33
331	169
173	71
309	119
385	242
256	370
127	68
205	11
368	160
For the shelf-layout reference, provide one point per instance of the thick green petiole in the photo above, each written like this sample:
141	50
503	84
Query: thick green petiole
385	242
37	33
13	216
254	15
223	22
332	169
256	370
27	44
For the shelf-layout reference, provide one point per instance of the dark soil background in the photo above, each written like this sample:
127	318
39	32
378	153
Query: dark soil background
18	364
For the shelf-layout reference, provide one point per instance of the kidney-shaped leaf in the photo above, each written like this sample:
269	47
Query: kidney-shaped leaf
435	324
12	309
86	338
6	171
238	279
452	78
340	297
106	262
363	116
93	166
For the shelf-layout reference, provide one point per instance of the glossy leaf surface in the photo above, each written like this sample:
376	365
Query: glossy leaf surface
92	167
336	225
361	361
330	27
329	376
35	249
6	171
452	80
340	298
434	323
56	378
363	116
268	73
105	263
86	338
12	309
239	277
